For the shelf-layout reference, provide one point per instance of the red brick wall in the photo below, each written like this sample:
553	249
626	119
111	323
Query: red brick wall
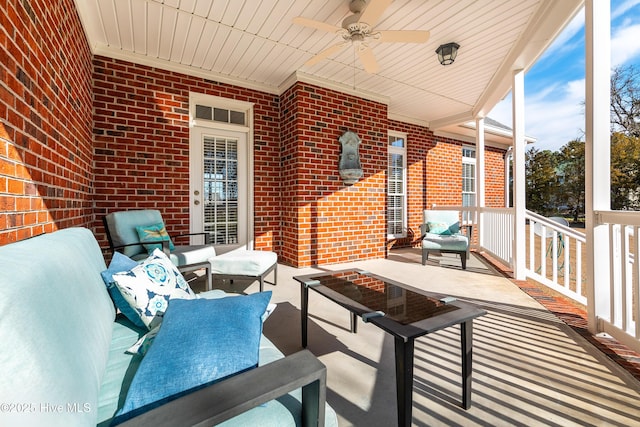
494	178
141	132
324	220
45	119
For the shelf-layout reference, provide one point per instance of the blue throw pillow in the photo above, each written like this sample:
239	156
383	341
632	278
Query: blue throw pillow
120	263
154	233
201	341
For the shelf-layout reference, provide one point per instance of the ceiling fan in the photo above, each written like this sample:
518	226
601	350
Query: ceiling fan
357	29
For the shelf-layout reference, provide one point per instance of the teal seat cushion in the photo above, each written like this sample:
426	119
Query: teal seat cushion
120	369
217	338
455	242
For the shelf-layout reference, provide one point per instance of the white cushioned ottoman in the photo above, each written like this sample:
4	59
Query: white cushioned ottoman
245	264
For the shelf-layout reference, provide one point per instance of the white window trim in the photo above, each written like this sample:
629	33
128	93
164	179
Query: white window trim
470	161
403	151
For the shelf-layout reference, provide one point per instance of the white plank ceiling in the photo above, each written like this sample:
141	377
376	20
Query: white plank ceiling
253	43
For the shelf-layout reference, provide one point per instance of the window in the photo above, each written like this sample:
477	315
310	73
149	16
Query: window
221	115
221	189
468	180
397	186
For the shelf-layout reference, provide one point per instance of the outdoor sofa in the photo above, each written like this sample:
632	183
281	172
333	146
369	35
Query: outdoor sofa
63	353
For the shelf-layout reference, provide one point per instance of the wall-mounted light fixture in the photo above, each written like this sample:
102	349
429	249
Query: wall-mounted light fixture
447	53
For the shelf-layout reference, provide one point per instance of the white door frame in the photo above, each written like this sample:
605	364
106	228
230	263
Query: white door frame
196	129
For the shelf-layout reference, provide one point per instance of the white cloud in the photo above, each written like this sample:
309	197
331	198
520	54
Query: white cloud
620	8
625	44
554	116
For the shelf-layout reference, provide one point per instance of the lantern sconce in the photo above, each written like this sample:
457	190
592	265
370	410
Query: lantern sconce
447	53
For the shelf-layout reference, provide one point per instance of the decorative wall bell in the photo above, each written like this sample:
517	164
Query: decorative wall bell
349	166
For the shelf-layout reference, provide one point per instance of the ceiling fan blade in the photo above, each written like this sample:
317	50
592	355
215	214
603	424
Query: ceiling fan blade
404	36
368	59
315	24
374	11
326	53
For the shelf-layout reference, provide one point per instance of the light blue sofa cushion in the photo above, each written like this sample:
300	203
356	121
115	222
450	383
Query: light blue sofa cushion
121	368
45	282
120	263
217	338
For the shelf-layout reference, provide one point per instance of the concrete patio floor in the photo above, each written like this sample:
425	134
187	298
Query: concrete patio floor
529	368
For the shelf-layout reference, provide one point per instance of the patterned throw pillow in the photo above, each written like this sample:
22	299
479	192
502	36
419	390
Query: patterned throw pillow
154	233
149	286
438	228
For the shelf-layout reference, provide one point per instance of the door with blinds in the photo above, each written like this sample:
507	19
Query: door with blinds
219	194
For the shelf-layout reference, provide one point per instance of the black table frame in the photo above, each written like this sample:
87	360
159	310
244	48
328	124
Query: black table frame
404	335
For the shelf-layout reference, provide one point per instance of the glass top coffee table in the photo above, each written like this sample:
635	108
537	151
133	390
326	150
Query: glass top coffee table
401	310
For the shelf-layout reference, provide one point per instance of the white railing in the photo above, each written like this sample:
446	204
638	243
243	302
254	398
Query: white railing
555	252
620	317
556	256
496	235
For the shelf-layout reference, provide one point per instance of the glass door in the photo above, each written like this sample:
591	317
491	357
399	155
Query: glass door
219	195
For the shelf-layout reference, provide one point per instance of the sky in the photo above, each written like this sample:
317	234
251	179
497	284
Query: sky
555	85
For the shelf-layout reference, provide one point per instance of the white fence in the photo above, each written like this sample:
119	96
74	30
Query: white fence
496	234
620	317
556	256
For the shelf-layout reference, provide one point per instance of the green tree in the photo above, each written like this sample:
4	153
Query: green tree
625	172
541	180
571	177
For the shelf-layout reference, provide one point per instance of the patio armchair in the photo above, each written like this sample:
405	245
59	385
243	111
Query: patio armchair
135	233
441	233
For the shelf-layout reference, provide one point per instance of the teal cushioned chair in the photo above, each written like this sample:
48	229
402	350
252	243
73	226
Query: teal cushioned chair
237	264
441	233
123	237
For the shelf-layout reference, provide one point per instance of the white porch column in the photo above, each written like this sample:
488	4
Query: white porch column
597	156
480	176
519	185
